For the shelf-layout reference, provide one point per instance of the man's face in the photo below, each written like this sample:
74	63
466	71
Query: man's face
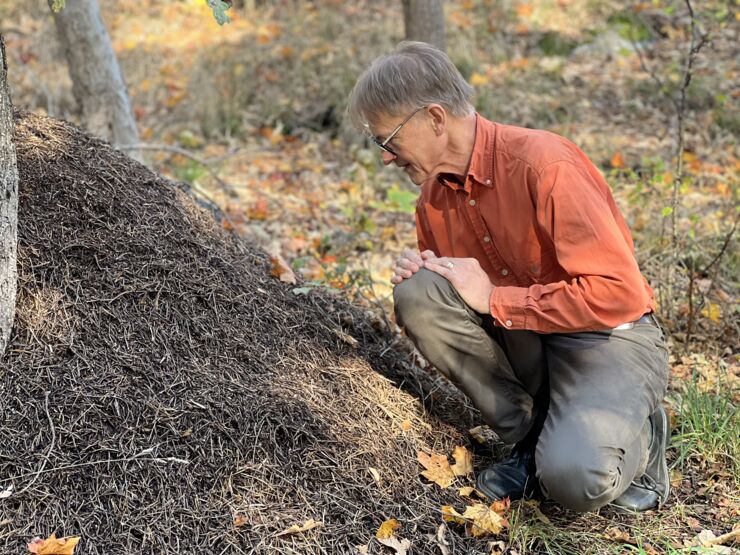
415	147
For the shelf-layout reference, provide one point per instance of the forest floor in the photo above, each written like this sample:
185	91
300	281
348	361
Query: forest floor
250	114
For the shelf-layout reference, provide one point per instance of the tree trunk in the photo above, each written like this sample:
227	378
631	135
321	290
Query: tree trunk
425	21
97	81
8	208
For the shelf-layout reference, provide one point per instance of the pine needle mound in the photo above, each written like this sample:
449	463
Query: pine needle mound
163	393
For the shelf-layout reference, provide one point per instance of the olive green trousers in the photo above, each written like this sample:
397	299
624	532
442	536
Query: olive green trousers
597	388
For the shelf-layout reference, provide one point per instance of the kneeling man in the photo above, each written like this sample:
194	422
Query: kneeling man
525	291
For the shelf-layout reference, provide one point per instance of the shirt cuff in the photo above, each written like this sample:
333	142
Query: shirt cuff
508	307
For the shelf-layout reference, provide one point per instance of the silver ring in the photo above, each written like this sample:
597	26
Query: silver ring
450	265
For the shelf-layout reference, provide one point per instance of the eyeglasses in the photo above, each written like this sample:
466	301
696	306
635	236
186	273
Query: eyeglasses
384	144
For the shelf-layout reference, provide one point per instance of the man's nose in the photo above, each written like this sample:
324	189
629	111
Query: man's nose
387	157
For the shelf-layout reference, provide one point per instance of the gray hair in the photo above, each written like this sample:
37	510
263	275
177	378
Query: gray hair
415	74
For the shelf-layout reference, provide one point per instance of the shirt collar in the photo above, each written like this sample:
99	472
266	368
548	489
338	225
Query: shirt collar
480	166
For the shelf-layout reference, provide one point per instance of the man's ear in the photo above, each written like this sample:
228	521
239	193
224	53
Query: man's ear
438	116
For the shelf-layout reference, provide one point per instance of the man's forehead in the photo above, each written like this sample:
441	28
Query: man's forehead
381	124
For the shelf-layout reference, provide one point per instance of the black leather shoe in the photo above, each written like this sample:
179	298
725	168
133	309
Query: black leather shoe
650	490
513	478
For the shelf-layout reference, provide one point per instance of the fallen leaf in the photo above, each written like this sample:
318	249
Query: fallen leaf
281	270
524	10
7	492
259	210
437	469
467	491
387	529
54	546
401	547
482	434
240	520
712	311
406	425
296	529
449	514
535	506
375	474
463	462
485	520
497	547
616	533
617	160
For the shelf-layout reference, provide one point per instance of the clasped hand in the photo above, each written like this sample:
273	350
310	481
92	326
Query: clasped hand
465	275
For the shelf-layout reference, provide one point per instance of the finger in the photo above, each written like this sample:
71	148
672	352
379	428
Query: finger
445	262
407	264
428	255
402	272
438	267
412	255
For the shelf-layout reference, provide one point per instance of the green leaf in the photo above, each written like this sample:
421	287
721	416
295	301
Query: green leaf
218	7
667	211
403	201
57	5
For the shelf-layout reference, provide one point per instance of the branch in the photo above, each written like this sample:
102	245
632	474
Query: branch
725	244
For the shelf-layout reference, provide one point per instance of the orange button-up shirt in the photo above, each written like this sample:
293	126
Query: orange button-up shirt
542	222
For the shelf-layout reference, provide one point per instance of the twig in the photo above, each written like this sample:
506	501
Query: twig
679	106
51	446
723	539
725	244
181	152
92	463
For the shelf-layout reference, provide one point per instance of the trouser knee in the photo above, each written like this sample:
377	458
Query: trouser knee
579	479
417	298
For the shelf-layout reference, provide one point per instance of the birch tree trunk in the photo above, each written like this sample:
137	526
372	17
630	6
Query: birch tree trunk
425	21
97	81
8	208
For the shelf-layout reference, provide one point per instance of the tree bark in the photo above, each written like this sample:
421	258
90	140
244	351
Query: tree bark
8	208
425	21
97	81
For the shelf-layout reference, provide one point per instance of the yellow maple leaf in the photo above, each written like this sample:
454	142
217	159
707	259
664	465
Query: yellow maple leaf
387	529
463	462
54	546
484	520
437	469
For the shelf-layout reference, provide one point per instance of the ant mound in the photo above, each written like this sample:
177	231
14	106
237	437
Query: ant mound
163	393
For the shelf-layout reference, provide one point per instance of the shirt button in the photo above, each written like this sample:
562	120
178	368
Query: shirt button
472	202
504	272
487	239
509	323
488	181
